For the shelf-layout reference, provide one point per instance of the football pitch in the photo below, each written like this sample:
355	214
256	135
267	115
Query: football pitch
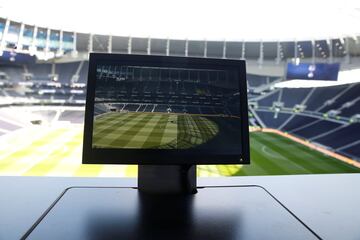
56	151
151	130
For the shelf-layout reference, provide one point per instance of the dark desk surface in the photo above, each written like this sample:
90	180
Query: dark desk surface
326	203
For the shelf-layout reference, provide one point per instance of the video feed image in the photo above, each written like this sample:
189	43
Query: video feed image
139	107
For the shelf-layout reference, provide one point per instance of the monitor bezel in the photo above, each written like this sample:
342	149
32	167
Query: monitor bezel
160	156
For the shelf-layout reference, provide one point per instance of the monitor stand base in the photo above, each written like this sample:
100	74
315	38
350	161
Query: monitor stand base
167	179
218	212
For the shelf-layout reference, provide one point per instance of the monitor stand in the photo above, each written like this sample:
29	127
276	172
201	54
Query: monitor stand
167	179
164	206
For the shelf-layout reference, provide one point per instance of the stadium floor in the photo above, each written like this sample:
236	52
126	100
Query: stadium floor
56	151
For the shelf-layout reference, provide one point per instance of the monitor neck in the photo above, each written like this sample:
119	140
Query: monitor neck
167	179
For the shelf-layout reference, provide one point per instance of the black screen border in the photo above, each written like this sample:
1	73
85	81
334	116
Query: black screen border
161	156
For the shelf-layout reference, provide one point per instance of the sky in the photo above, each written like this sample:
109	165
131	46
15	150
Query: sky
255	20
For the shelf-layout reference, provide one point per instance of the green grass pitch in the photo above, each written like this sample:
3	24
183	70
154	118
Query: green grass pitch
272	154
56	151
151	130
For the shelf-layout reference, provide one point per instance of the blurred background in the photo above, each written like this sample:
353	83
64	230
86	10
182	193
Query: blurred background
303	73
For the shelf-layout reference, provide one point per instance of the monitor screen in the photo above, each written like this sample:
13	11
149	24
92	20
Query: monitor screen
165	110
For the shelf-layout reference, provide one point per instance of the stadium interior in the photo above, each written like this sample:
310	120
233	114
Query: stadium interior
140	119
43	75
177	108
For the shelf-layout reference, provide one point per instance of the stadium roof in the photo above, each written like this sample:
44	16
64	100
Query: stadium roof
231	20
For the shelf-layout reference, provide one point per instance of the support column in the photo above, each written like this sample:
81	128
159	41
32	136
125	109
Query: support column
347	49
20	38
33	42
90	46
278	51
243	50
3	39
47	43
74	42
205	48
224	50
313	52
61	45
329	42
168	47
261	54
149	46
129	45
109	47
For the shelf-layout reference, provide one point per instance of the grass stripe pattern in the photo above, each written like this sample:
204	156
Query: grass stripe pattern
56	151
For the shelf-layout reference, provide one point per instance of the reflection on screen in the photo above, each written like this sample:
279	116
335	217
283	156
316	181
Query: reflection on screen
166	108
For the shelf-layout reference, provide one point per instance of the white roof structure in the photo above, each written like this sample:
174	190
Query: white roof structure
230	20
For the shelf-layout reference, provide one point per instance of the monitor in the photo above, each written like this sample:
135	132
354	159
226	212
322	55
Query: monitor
162	110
